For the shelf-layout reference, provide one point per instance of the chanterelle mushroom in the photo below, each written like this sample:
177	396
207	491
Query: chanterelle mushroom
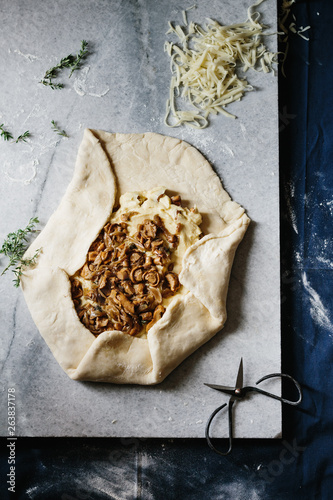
129	270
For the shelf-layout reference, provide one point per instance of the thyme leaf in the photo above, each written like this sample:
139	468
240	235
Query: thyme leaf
53	86
24	263
14	248
23	136
5	134
56	129
81	55
70	61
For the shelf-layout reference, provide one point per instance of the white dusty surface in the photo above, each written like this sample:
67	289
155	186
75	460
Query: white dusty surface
122	87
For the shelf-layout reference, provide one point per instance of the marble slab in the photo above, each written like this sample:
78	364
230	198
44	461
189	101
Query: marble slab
122	87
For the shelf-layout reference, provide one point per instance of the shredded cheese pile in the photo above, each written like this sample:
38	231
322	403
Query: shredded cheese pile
204	69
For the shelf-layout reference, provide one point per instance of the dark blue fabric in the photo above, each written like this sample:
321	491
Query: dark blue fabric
307	246
301	465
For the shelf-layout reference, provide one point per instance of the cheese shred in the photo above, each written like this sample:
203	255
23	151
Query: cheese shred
204	63
285	26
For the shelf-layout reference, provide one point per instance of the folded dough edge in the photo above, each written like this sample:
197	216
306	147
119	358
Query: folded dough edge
122	162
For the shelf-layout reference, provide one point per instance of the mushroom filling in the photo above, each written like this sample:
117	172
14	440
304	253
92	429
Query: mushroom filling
127	276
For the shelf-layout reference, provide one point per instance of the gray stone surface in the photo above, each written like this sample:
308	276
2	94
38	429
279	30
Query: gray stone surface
122	87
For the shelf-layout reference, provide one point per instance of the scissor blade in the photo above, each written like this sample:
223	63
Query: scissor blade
239	379
222	388
231	390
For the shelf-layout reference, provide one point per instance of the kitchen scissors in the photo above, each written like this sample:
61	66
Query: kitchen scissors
237	393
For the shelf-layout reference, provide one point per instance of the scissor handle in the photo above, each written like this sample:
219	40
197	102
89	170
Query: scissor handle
274	396
211	418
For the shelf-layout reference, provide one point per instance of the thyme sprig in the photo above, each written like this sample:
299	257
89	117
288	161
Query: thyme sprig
70	61
57	129
4	133
80	56
14	248
8	135
23	136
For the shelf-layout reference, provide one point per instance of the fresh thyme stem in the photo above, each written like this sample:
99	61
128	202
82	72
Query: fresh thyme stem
5	134
56	129
70	61
14	248
81	55
23	136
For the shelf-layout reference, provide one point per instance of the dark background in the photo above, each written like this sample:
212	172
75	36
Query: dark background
299	466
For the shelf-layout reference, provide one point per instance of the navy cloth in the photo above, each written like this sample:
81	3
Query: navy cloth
300	466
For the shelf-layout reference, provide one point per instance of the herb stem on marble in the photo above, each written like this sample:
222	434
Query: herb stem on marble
23	136
8	135
4	133
57	129
71	61
80	56
14	248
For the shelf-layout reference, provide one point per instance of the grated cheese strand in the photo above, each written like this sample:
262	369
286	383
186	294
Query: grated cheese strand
204	68
291	27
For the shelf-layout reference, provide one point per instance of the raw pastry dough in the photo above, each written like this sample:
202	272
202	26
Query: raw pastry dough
107	166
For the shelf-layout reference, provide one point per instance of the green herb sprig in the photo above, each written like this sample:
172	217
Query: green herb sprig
23	136
57	129
8	135
4	133
70	61
14	248
80	56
